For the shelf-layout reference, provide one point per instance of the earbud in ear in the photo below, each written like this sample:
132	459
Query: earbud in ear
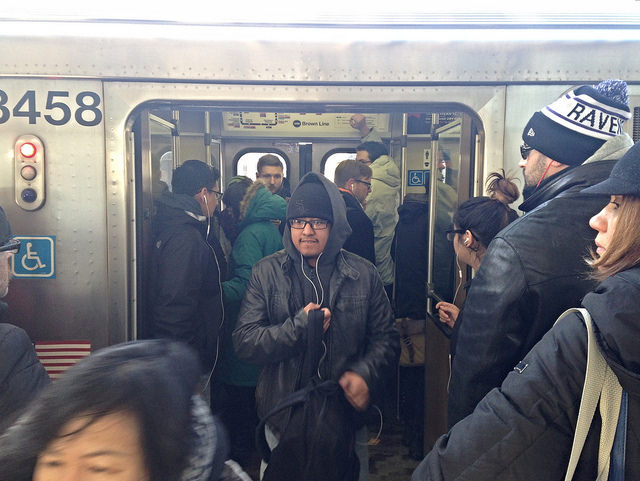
466	241
205	199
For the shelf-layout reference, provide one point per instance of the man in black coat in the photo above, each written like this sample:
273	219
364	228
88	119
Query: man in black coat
186	286
21	374
534	268
353	179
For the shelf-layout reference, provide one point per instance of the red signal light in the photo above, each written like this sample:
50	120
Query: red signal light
28	150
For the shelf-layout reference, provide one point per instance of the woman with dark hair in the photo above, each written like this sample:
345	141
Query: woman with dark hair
525	429
475	224
126	413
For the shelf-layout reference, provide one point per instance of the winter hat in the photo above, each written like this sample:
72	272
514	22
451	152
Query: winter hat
572	128
5	228
624	178
310	199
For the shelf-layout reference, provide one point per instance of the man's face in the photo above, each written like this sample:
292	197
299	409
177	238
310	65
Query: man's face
271	175
533	168
363	156
360	188
309	242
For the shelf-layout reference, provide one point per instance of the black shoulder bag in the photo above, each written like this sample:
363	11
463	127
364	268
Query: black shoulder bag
318	443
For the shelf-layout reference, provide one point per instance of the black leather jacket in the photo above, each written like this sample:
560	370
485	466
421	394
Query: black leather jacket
272	324
524	430
532	272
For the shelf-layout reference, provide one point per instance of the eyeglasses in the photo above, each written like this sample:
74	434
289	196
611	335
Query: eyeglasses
316	224
525	150
451	233
13	246
218	194
368	184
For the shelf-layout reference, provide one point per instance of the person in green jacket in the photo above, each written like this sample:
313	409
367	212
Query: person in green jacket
258	215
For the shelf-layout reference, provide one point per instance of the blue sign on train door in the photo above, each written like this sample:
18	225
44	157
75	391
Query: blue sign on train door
36	257
416	177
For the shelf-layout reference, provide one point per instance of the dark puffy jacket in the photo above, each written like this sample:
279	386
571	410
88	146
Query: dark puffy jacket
524	430
186	301
21	374
532	272
361	239
272	325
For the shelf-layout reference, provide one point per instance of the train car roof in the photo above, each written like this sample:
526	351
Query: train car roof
321	47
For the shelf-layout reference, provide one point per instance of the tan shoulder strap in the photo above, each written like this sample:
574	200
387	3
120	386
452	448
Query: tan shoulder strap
600	383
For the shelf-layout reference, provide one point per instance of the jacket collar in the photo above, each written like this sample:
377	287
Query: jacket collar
569	180
342	265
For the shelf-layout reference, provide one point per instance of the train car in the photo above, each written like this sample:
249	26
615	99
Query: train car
94	115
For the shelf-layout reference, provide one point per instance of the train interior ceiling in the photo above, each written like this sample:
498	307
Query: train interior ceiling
233	140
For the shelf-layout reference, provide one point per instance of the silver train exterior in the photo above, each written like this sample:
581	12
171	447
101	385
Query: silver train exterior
94	94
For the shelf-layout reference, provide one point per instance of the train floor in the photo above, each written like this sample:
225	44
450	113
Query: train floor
389	458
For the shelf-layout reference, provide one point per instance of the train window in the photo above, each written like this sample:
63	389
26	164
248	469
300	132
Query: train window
332	159
247	163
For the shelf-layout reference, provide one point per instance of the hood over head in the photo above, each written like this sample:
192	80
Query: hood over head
302	205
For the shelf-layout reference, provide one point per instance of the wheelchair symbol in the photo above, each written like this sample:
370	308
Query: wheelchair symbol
416	179
31	261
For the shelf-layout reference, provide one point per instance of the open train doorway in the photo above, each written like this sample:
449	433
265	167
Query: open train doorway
436	148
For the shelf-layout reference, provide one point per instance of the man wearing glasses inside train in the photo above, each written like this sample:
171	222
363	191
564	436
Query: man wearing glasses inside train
314	272
534	269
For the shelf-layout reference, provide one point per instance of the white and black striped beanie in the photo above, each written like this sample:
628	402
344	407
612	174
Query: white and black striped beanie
572	128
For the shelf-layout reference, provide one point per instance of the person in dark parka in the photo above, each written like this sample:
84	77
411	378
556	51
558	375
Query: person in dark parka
524	430
21	374
533	269
353	179
186	291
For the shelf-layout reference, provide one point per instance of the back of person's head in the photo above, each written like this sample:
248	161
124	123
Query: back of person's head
192	176
375	149
235	192
5	228
623	251
579	122
351	169
486	216
269	160
153	381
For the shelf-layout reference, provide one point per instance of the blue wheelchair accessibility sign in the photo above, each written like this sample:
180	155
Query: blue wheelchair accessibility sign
416	177
36	257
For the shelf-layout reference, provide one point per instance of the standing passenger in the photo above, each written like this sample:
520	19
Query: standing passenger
313	272
353	179
259	211
21	374
186	285
525	429
271	171
382	205
533	269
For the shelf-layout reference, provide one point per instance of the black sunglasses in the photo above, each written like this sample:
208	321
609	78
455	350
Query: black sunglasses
451	233
13	246
218	194
368	184
525	150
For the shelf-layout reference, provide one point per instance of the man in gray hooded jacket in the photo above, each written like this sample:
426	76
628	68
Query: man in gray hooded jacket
314	272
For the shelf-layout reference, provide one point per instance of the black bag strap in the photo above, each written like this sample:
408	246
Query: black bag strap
298	397
314	346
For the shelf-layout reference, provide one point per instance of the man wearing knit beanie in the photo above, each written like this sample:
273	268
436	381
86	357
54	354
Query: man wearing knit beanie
534	269
313	272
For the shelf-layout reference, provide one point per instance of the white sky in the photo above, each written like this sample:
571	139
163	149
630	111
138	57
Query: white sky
270	11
